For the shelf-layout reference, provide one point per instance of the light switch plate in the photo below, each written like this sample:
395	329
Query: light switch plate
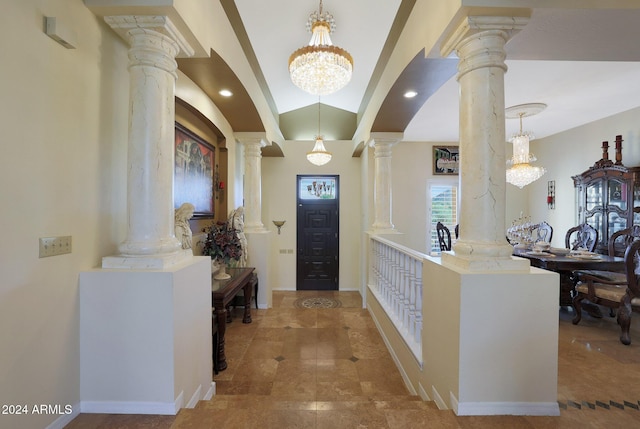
52	246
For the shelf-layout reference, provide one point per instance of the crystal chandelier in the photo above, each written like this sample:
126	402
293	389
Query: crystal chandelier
320	68
319	155
520	172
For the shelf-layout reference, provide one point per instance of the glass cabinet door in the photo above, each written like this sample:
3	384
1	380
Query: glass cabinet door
617	191
594	195
636	203
615	223
596	221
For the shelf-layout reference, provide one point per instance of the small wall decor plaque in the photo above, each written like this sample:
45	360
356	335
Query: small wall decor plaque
445	160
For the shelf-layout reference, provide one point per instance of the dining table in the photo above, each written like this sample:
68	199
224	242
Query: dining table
566	264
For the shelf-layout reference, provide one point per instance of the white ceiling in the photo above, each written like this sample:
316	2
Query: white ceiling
276	28
584	64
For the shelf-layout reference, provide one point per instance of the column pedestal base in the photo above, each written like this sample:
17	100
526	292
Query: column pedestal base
151	262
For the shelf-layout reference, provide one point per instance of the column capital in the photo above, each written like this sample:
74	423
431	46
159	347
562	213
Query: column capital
253	143
249	138
127	26
389	139
470	26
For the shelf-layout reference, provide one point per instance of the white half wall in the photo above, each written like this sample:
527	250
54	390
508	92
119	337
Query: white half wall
490	340
145	338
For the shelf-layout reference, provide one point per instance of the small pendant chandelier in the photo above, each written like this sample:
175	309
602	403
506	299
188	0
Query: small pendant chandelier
520	172
320	68
319	155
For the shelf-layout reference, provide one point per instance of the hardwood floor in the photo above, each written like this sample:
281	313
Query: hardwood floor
329	368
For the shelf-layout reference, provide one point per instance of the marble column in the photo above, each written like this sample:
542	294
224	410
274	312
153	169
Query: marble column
479	43
252	182
382	197
154	43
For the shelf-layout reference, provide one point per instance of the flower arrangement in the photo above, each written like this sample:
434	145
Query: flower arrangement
221	243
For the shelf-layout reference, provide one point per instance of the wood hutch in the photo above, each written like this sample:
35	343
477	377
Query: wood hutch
608	196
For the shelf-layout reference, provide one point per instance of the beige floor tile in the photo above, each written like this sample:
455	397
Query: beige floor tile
329	368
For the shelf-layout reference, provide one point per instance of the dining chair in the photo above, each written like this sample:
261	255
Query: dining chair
586	237
444	237
622	238
622	296
456	231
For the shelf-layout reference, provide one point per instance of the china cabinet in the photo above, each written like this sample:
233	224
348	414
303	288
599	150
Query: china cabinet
608	196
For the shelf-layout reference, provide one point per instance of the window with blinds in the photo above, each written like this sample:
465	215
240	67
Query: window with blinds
443	207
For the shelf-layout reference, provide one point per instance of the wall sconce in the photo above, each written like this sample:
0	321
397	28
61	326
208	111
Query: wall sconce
551	194
279	224
218	186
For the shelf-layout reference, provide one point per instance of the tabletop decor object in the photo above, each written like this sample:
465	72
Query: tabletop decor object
222	244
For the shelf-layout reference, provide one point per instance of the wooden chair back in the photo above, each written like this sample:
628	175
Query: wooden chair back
586	237
444	237
632	263
623	239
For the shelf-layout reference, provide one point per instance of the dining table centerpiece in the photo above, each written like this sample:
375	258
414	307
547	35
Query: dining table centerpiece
222	244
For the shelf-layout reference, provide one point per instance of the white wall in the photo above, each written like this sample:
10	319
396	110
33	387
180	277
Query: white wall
64	116
571	153
279	203
411	170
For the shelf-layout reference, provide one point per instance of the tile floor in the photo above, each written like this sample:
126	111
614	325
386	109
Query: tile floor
329	368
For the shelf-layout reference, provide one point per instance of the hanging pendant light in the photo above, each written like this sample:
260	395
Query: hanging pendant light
520	172
319	155
320	68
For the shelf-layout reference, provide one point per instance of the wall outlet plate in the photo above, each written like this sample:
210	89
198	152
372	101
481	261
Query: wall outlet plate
52	246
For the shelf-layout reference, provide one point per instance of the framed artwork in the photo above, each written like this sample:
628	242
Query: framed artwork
445	160
194	172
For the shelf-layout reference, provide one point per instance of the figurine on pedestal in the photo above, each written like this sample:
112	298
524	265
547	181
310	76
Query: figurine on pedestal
182	229
236	223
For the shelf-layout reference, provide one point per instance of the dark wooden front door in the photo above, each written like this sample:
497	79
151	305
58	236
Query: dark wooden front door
317	225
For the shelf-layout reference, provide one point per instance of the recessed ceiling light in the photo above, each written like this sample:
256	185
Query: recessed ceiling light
225	93
410	94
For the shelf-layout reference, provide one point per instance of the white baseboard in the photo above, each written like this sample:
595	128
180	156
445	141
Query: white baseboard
195	398
508	409
211	392
437	399
423	393
396	360
121	407
65	419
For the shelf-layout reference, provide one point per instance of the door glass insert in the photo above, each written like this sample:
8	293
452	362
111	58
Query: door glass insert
317	188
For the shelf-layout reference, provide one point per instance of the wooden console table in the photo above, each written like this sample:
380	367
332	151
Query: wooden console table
222	292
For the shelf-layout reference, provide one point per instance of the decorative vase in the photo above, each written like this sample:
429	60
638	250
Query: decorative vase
222	273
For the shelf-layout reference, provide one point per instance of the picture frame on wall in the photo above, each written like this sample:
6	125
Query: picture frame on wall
446	160
193	175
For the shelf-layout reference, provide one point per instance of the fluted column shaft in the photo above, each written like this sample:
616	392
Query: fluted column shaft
479	43
154	43
382	144
253	184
